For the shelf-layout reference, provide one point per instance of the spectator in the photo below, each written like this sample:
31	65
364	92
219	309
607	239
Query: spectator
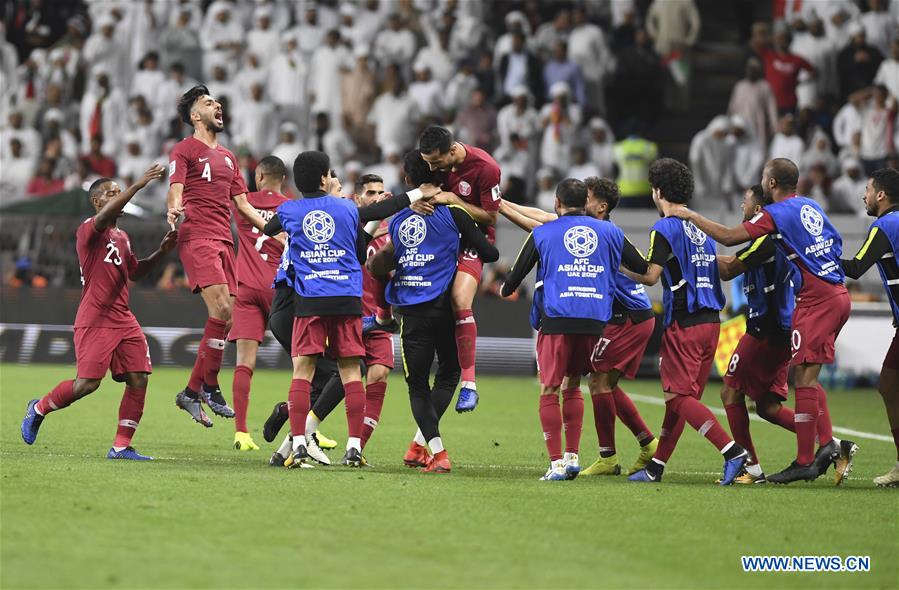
148	133
581	167
880	27
394	114
782	70
287	79
476	123
560	120
516	161
857	63
847	190
222	86
223	35
103	110
848	121
43	183
461	87
546	189
633	155
711	161
29	138
836	15
133	163
332	140
310	32
102	50
397	44
815	184
878	117
180	44
426	92
330	59
551	33
289	146
888	71
148	80
600	143
81	177
820	51
520	68
16	171
98	162
820	152
748	156
636	98
560	69
436	56
516	22
358	92
673	25
786	144
263	39
390	169
517	118
486	76
257	123
588	49
53	120
753	100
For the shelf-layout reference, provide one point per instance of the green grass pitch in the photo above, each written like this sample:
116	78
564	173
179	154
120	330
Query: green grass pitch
204	515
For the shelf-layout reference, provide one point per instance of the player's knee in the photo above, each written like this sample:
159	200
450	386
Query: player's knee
83	387
137	380
377	374
222	309
729	396
767	410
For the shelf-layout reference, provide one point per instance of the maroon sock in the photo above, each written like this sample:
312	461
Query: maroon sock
59	397
551	421
806	419
215	348
823	426
629	415
702	420
131	409
240	388
354	402
466	342
785	418
374	401
672	428
196	374
298	405
895	432
604	412
572	418
738	419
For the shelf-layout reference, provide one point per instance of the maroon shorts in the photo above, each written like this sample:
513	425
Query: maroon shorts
621	347
208	262
470	263
250	316
120	350
891	360
378	349
340	335
757	366
815	330
686	356
563	355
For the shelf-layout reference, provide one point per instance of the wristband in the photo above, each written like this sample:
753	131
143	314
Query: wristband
414	195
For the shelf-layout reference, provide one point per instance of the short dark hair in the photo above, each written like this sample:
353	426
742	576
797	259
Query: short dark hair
187	100
784	172
603	189
758	195
365	179
887	180
416	168
572	193
272	166
96	188
308	169
435	138
673	179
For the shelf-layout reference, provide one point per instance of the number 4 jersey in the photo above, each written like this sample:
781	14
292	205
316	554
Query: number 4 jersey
258	255
106	261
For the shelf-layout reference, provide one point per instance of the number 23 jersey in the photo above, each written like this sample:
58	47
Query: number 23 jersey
258	255
106	261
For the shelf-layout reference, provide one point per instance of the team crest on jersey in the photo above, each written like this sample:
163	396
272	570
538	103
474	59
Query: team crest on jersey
318	226
413	231
229	163
695	235
464	189
812	221
580	241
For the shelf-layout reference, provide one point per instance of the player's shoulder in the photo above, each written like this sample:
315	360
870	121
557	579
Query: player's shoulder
186	146
86	228
481	158
667	224
266	199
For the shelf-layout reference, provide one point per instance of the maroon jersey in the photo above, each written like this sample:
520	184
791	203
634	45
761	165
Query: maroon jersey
211	176
476	181
370	285
257	254
106	261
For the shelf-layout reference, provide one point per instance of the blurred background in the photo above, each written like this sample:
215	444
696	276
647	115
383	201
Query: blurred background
553	89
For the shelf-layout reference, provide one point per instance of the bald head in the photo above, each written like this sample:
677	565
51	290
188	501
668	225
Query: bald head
779	177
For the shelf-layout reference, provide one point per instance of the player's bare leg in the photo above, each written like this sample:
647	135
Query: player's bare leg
888	386
464	288
243	375
131	409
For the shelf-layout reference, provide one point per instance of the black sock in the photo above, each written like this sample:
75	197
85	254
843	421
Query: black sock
606	454
733	452
194	395
655	469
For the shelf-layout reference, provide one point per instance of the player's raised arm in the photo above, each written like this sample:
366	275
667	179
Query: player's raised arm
169	241
527	259
523	217
729	236
107	216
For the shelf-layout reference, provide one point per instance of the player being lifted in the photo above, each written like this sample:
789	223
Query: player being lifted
684	258
882	201
107	335
203	180
474	177
618	352
808	239
258	257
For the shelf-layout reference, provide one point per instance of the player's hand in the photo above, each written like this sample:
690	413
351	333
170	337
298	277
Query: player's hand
673	210
429	190
153	173
423	207
169	241
173	215
281	237
446	198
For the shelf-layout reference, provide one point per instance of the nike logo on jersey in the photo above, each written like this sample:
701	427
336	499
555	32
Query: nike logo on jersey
203	159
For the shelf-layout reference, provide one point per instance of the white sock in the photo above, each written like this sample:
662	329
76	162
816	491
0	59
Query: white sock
754	470
837	441
436	444
468	384
558	464
299	441
354	442
383	321
312	423
285	447
119	449
36	411
419	438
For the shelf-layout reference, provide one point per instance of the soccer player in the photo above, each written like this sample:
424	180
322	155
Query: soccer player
203	179
577	258
474	176
107	335
258	257
882	201
808	239
684	258
619	350
424	250
758	367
